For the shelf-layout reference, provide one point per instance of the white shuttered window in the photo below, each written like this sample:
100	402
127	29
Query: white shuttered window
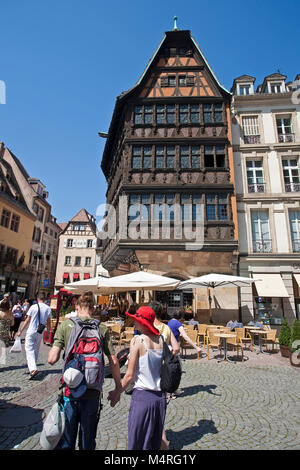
250	125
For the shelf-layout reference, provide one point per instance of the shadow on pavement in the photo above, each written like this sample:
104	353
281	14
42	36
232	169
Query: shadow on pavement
9	390
44	373
190	435
8	368
24	418
193	390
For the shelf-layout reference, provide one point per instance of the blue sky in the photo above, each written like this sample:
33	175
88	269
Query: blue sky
65	62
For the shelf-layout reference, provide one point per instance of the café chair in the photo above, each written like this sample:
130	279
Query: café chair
236	345
115	332
192	334
213	341
243	338
202	329
270	338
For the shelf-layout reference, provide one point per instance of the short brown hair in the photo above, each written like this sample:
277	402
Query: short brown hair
41	295
86	300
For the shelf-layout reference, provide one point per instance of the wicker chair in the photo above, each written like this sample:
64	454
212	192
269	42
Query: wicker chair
202	329
212	341
115	332
241	335
270	338
193	335
236	344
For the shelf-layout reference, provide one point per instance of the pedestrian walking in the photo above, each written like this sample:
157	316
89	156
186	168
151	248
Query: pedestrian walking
38	313
81	395
164	329
6	322
178	331
26	307
171	341
17	312
148	403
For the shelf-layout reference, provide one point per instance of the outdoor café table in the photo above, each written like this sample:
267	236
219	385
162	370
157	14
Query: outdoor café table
254	328
260	333
225	336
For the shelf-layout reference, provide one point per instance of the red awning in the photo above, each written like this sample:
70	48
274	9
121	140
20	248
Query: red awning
76	276
86	276
64	291
66	276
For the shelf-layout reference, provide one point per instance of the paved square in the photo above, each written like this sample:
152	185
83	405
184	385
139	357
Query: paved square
254	405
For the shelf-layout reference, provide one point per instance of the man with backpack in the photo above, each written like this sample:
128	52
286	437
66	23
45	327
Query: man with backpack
84	341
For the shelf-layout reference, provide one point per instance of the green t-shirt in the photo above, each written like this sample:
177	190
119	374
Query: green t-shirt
62	336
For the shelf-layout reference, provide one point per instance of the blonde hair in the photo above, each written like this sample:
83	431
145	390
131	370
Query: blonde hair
86	300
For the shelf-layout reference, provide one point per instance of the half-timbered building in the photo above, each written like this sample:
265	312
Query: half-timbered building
169	142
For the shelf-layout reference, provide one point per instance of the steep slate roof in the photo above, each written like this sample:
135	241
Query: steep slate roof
121	99
12	187
19	164
62	225
81	216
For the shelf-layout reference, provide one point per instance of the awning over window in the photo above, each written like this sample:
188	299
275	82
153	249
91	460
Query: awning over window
271	285
86	276
297	279
66	275
76	276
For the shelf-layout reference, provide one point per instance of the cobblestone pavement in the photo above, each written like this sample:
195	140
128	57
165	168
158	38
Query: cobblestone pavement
250	405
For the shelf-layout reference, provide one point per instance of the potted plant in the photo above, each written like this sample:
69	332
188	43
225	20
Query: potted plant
295	344
285	338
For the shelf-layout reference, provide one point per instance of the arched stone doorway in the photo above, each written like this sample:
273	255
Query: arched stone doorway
176	300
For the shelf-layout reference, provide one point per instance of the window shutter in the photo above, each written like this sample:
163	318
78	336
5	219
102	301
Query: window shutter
250	125
164	81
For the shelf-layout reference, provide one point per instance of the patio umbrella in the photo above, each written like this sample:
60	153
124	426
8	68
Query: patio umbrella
140	280
211	281
90	284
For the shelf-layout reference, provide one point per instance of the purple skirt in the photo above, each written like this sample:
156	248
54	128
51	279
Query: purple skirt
146	419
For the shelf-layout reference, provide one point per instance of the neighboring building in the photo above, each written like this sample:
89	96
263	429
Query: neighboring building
169	142
100	270
35	197
16	228
50	254
78	242
266	144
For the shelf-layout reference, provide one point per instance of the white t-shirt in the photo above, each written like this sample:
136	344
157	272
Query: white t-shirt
45	313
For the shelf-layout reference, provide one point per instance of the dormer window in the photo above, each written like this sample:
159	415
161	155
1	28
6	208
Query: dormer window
244	90
275	87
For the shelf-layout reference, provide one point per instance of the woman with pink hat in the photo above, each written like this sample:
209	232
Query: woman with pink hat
148	403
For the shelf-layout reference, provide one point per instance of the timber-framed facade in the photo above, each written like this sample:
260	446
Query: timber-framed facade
169	142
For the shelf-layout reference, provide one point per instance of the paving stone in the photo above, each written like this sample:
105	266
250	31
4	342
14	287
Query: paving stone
254	405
